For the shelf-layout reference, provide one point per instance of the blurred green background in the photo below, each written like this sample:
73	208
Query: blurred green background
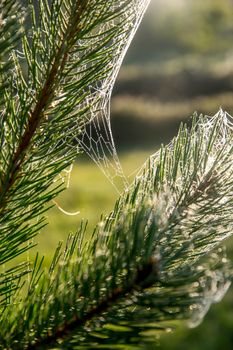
180	61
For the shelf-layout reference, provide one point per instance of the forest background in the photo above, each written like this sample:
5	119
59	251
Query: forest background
180	62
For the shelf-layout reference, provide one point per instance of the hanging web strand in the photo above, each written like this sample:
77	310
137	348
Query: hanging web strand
97	139
64	177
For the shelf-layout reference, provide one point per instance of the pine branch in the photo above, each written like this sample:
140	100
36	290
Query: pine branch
140	280
156	251
44	98
73	48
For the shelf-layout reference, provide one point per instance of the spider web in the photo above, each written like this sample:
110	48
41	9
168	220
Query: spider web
222	119
96	138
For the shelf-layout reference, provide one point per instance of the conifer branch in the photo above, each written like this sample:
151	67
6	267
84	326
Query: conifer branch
145	276
156	250
44	98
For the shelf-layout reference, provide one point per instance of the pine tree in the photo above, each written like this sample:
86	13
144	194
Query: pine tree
157	257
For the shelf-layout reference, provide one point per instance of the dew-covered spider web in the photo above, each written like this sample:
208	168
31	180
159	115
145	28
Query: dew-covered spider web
98	143
96	138
222	120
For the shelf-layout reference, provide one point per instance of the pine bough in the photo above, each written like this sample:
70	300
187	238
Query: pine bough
157	256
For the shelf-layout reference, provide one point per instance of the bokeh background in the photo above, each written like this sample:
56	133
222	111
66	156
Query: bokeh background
180	61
